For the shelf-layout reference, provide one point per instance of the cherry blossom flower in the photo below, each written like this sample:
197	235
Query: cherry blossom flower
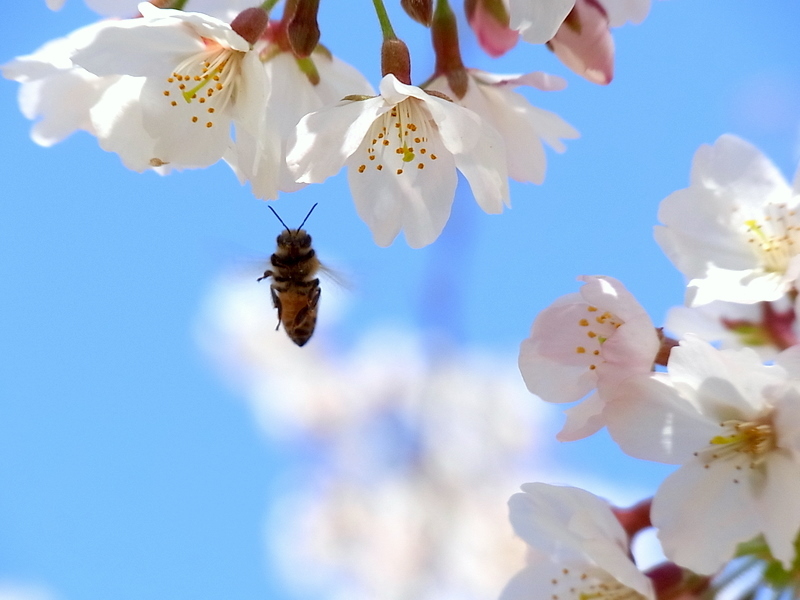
199	76
294	94
766	327
734	426
402	149
577	547
592	339
733	232
524	127
56	91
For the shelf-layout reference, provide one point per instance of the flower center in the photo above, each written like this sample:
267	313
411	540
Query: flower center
590	584
598	328
774	237
206	82
745	443
398	139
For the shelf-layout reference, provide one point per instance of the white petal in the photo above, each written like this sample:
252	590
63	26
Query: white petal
622	11
538	22
400	196
138	47
780	518
119	127
484	166
702	515
557	520
650	420
324	140
583	419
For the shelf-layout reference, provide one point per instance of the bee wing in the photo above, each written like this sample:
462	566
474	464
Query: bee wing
336	277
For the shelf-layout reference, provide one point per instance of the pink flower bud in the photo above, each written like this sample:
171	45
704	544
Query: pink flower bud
584	43
489	20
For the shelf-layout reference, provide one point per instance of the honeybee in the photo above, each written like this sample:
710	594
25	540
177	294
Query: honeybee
295	289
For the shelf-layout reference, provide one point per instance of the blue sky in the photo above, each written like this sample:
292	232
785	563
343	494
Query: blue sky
129	470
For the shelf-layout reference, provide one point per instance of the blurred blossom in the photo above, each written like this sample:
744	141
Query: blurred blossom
417	450
11	590
766	327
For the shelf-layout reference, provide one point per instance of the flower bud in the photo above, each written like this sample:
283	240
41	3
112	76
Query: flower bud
395	59
584	43
419	10
251	24
489	20
303	29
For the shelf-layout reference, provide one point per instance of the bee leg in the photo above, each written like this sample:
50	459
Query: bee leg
266	274
276	302
315	296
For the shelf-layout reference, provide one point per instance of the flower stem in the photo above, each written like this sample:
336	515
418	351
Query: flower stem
177	4
268	5
383	17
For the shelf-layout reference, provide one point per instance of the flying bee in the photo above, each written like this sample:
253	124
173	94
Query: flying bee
295	287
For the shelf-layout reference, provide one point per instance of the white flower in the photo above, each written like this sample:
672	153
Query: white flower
734	426
734	232
56	91
578	548
199	77
595	338
402	149
524	128
293	95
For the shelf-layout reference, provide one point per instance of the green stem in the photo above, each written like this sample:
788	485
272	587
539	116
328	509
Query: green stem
268	5
383	17
177	4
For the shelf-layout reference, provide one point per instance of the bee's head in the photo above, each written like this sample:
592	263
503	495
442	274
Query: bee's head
294	237
297	238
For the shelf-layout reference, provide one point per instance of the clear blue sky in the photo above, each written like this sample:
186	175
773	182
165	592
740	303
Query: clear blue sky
128	470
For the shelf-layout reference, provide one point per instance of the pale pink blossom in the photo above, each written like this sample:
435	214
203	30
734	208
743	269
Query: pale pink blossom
592	339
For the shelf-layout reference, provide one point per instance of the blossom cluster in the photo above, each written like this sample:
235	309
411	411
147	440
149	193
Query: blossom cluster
170	89
722	400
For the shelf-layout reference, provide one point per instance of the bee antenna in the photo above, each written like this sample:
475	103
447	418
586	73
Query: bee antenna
308	215
281	220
